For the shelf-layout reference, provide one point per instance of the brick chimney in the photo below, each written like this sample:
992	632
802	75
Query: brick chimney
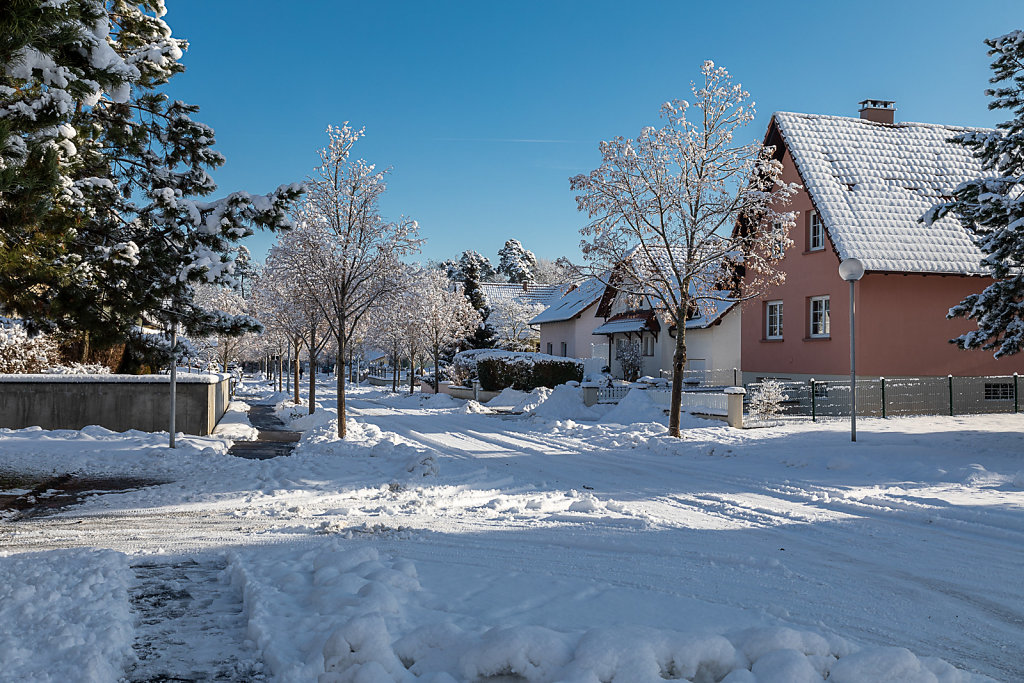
879	111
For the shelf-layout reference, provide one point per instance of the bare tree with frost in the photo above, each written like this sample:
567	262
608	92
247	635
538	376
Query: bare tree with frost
673	207
511	321
444	314
354	249
293	298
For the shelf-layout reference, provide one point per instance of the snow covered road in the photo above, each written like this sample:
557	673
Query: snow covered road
441	524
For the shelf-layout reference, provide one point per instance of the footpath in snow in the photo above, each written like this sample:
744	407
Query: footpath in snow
440	543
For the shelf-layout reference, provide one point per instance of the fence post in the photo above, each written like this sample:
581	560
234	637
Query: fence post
814	417
735	406
883	398
735	380
951	395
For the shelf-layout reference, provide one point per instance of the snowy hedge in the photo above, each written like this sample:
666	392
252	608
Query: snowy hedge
23	353
525	371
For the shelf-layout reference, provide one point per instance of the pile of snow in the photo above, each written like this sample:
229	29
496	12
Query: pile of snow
298	418
473	407
648	382
65	615
376	623
532	400
508	398
635	407
235	424
565	403
406	400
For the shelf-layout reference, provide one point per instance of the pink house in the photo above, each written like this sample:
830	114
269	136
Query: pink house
867	181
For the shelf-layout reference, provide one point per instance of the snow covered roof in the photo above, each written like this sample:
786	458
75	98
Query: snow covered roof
711	311
872	182
527	293
631	321
572	303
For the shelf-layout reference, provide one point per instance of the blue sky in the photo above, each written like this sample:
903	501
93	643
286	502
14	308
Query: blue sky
484	110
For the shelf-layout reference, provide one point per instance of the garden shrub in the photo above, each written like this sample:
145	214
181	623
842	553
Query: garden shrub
526	371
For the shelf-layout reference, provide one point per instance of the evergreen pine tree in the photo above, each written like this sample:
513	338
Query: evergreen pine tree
992	207
473	259
123	236
517	263
483	337
55	59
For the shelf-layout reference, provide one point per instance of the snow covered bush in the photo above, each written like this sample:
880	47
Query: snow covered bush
766	401
78	369
526	371
631	360
21	353
463	368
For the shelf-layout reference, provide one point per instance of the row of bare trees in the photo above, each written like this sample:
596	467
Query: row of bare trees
338	278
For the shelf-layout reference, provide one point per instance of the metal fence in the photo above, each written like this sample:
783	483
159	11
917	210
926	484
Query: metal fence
731	377
884	397
704	402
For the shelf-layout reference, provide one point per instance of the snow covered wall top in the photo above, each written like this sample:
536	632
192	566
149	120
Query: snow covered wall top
183	378
872	182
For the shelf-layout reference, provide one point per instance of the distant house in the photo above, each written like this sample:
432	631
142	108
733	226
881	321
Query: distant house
867	181
567	324
596	320
512	308
712	339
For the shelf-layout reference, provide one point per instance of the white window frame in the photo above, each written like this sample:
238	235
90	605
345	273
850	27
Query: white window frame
816	234
822	327
768	306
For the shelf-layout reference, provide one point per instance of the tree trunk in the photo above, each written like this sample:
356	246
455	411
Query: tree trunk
437	356
342	427
678	363
280	372
312	381
412	376
394	372
295	370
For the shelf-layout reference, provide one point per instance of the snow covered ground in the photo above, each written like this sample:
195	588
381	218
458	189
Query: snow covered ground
440	543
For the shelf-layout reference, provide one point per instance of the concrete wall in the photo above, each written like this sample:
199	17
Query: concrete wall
73	403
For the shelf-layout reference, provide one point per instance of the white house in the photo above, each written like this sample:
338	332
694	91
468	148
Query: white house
712	340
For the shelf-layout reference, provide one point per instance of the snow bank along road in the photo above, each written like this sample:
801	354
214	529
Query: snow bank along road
442	544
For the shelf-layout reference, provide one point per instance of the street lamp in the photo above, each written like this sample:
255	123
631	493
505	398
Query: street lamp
852	270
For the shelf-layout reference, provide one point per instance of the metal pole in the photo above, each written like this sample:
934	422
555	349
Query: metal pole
813	407
883	398
853	369
1016	393
174	379
951	395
